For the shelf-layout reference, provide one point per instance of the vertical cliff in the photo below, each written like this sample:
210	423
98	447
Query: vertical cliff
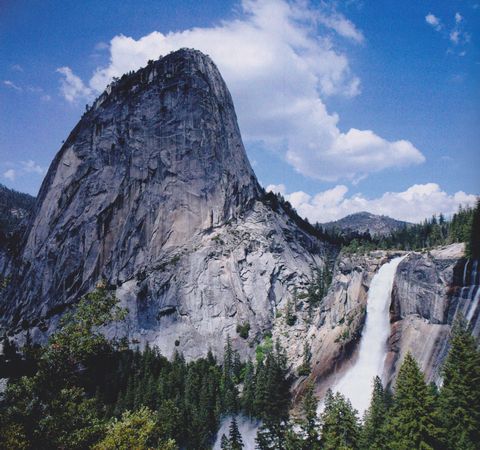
430	290
153	193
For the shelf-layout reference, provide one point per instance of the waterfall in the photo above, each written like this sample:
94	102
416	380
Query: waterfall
468	296
248	429
356	384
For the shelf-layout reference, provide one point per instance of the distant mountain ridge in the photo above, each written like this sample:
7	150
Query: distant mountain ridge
365	222
14	207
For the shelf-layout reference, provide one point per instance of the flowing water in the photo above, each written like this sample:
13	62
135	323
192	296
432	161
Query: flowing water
248	430
356	384
468	296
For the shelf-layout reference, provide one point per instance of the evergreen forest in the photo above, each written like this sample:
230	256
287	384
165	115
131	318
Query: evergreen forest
83	391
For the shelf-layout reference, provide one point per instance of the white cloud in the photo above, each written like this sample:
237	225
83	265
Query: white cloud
413	205
279	67
342	26
434	21
10	174
17	68
72	87
99	46
31	166
12	85
22	169
455	36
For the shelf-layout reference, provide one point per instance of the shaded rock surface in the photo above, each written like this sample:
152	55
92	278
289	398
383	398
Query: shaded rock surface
333	330
429	290
153	193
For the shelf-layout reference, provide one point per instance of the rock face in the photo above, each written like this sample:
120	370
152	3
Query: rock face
153	193
365	222
429	290
333	330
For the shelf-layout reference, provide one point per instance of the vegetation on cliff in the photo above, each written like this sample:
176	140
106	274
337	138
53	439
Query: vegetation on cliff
84	391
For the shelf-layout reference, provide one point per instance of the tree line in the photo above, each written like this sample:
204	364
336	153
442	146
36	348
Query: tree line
416	415
83	391
464	226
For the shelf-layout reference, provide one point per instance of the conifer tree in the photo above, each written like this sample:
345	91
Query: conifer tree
310	424
340	425
305	368
225	443
460	393
272	435
374	418
410	424
248	395
228	388
234	437
473	244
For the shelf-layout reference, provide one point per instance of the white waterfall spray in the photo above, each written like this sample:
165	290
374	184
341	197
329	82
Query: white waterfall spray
468	296
356	384
248	429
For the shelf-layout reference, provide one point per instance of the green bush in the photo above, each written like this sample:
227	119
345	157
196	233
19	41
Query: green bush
243	329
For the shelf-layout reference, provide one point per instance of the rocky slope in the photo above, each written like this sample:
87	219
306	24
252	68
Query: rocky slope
365	222
430	290
333	331
153	193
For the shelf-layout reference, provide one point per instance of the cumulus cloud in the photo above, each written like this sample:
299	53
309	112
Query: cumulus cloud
31	166
434	21
341	25
413	205
22	169
72	86
280	61
10	174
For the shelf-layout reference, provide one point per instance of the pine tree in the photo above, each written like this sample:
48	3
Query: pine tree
225	443
374	418
460	393
272	435
310	424
340	425
290	316
248	395
228	388
473	243
305	368
410	423
234	437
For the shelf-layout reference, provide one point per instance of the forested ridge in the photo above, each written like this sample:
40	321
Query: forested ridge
14	207
84	391
463	226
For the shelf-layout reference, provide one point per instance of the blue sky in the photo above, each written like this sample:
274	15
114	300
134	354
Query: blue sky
343	106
